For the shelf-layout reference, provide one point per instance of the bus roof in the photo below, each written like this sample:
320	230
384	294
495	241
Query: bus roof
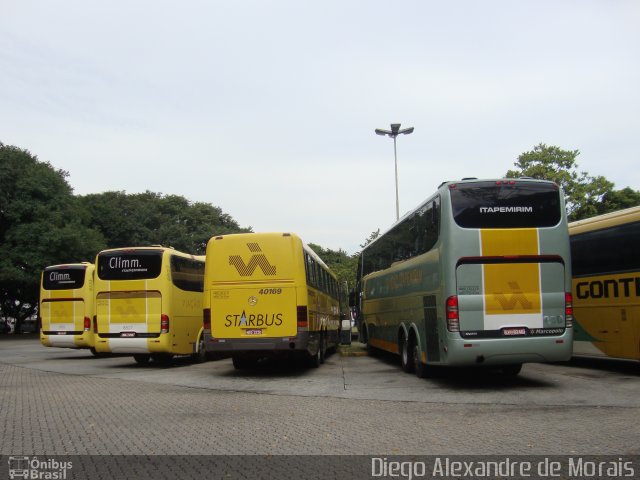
605	221
452	182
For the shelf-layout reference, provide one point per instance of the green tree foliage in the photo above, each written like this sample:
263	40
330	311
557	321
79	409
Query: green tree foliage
150	218
342	264
40	225
586	195
582	191
618	199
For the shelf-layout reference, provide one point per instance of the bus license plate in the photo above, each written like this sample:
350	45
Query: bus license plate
128	334
61	333
255	331
510	332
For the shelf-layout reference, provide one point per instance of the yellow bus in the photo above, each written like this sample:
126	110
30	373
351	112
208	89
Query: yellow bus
605	253
66	306
268	294
149	303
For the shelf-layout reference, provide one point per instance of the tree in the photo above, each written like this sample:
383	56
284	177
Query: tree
341	263
153	218
582	191
40	225
619	199
585	195
371	238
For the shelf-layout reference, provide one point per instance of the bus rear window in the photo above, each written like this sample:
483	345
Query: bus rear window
129	264
512	204
66	278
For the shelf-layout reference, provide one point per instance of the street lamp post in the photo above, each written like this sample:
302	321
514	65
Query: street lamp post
393	133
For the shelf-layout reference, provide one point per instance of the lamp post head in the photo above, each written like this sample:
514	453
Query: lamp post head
394	128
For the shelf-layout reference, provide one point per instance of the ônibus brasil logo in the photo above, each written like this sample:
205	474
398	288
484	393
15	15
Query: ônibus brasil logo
35	468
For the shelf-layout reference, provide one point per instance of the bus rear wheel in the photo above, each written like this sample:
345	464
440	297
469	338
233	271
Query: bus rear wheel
142	358
511	370
406	356
243	362
421	370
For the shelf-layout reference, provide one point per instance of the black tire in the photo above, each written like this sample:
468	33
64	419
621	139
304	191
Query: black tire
406	356
162	358
200	356
421	370
142	358
511	370
315	360
94	352
323	347
243	362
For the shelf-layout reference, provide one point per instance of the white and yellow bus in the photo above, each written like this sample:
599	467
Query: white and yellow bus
268	294
149	303
66	306
605	256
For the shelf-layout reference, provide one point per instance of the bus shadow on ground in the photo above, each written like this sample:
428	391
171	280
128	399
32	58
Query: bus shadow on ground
612	365
271	368
469	378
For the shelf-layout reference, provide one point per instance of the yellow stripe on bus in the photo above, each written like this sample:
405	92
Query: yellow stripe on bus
511	288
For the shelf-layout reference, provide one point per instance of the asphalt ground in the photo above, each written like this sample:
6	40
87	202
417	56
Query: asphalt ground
67	402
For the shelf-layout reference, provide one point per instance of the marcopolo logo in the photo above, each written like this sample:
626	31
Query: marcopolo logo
37	469
257	260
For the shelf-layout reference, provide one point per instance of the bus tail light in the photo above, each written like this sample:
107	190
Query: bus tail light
206	318
303	319
568	310
87	324
453	318
164	323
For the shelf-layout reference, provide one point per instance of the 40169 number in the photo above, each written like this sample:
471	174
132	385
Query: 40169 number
270	291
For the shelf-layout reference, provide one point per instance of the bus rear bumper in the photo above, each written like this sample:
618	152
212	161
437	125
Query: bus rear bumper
515	350
266	345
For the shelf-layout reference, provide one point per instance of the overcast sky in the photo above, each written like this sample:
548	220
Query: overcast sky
267	109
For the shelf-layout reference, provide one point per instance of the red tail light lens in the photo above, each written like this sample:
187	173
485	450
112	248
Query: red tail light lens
87	324
453	318
568	310
206	318
303	319
164	323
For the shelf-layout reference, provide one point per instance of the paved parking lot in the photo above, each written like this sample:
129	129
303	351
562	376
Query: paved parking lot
67	402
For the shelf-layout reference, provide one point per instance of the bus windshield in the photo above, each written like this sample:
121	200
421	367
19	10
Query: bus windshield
505	204
63	278
129	264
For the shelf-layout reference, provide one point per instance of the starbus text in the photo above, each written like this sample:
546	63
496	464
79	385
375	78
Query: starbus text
254	320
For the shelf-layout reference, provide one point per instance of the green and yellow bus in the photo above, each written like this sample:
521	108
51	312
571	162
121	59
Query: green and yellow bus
605	256
66	306
268	294
149	303
477	275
